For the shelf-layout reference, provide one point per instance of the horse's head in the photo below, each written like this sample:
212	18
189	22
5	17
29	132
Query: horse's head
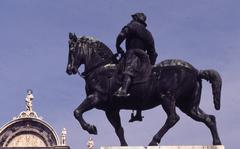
74	55
88	51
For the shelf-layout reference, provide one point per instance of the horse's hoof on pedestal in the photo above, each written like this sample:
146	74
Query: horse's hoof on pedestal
124	144
153	143
218	142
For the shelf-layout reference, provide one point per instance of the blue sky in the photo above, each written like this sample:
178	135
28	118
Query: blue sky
33	54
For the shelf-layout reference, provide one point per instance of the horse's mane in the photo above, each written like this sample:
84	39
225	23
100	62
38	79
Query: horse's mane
96	46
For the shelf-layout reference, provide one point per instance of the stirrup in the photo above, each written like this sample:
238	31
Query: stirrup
135	118
121	93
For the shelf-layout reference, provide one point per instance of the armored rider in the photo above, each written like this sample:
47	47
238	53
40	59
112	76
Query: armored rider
139	45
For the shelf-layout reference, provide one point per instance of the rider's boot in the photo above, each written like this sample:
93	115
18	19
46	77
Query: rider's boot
122	91
137	117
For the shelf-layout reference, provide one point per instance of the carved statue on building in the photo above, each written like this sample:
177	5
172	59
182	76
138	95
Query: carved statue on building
29	98
90	143
64	137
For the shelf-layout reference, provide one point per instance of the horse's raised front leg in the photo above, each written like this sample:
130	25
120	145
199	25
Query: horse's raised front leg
168	104
115	120
89	103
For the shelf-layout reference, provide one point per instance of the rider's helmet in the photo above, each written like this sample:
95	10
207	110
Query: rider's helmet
140	17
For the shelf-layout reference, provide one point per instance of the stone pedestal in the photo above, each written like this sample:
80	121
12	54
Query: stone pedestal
166	147
122	147
189	147
54	147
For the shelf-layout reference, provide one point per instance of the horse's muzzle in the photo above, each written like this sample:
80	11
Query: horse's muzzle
71	70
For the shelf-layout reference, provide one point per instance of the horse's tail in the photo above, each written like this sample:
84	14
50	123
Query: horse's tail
215	79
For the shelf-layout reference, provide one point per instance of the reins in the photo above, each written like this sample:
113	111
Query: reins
85	74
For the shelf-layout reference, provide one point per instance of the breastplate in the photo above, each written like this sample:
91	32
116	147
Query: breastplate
134	43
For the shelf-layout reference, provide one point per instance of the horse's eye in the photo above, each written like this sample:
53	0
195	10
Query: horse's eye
71	45
72	49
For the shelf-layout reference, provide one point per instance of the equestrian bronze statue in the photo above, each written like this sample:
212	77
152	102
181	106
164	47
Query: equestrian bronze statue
172	83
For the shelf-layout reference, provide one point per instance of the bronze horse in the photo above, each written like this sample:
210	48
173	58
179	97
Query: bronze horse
173	83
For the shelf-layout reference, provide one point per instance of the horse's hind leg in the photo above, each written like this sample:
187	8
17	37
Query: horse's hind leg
197	114
168	104
114	119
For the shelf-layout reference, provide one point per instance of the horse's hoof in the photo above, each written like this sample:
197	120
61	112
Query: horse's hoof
218	142
153	143
92	129
124	144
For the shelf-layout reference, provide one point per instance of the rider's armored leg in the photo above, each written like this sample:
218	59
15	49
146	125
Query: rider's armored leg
123	90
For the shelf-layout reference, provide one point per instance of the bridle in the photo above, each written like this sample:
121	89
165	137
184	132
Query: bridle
87	73
74	54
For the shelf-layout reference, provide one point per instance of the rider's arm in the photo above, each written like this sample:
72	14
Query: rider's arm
121	37
152	52
153	57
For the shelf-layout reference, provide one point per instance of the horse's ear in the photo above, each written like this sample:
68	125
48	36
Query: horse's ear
70	35
74	37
